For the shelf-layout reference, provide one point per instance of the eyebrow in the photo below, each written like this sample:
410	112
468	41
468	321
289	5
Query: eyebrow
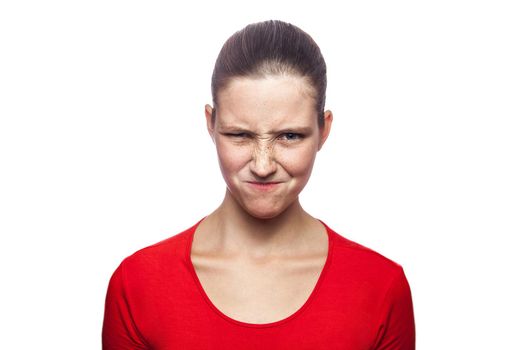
298	129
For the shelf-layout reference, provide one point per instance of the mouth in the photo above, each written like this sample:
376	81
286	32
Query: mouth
263	186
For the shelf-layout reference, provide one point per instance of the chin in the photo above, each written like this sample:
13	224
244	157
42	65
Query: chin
262	209
265	213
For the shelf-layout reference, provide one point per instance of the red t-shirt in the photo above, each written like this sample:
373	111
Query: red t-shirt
362	300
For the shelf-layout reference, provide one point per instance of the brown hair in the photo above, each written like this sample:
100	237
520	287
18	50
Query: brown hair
270	48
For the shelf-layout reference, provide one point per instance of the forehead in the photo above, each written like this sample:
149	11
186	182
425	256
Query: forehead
267	100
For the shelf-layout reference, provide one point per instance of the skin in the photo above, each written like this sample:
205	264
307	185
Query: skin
259	254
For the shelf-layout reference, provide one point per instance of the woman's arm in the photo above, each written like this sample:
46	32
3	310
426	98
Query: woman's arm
396	326
119	330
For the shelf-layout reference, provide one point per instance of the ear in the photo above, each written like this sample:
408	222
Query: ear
325	130
208	111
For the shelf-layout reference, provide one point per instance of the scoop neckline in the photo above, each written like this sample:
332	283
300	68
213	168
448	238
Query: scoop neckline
299	311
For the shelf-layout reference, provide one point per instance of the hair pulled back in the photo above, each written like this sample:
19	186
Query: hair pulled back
271	48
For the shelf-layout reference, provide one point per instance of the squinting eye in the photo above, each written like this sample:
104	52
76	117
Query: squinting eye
239	135
291	136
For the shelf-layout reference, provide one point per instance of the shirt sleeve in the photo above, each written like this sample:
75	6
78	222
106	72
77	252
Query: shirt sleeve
119	330
397	326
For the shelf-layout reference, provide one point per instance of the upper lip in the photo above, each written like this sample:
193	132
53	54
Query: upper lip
264	182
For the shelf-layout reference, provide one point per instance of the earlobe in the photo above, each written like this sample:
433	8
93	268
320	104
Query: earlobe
325	130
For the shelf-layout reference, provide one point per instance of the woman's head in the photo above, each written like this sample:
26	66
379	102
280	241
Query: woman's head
268	122
271	48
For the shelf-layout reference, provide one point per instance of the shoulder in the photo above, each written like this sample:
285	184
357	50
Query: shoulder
350	258
370	285
160	255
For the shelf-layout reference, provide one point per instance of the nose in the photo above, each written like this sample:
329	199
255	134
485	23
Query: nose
263	163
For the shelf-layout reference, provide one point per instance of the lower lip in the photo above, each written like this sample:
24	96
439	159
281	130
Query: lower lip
260	186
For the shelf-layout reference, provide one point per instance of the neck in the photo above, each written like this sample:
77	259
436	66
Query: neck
236	232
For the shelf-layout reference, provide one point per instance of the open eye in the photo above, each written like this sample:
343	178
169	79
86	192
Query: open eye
291	136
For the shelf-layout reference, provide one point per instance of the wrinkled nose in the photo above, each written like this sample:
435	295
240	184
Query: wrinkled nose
263	163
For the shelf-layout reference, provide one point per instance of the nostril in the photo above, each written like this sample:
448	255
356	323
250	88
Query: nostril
263	164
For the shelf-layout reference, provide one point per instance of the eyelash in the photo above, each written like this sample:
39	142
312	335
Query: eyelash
239	135
292	136
289	136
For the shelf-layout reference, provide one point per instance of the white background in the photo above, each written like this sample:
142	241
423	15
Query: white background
103	151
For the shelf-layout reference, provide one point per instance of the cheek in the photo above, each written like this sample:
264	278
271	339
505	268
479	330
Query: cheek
231	158
299	161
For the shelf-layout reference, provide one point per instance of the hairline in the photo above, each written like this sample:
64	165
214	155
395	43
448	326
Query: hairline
309	90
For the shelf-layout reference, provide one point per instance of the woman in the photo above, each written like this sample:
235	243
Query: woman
260	272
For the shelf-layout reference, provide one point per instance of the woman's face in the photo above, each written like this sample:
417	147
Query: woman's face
267	136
